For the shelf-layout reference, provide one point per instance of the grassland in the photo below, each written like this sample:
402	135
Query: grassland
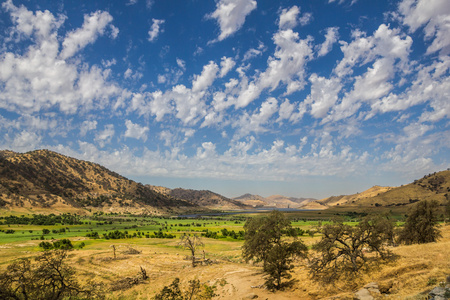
164	259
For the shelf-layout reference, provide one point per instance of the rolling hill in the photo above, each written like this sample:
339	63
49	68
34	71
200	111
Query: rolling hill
202	198
277	201
435	186
43	179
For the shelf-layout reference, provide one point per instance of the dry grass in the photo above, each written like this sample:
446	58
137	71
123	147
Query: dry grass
408	277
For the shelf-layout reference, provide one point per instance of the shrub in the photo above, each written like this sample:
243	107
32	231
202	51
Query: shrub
422	224
264	242
341	252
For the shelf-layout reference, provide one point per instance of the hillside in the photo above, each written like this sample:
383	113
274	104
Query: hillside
44	179
433	186
202	198
278	201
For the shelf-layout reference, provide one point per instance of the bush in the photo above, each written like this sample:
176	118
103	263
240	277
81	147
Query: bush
64	244
422	224
341	253
194	291
264	242
48	278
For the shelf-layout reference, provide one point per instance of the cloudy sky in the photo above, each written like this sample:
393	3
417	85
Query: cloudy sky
300	98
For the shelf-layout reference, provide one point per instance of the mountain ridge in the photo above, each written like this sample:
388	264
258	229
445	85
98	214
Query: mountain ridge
46	179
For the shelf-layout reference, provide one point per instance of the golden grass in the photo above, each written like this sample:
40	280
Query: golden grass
408	277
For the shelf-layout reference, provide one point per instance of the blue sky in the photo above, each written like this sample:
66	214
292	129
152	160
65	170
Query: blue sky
300	98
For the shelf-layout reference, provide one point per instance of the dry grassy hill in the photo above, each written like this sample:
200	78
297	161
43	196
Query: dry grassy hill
202	198
44	179
434	186
278	201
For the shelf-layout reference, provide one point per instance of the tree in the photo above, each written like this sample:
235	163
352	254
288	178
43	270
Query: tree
422	224
341	252
194	291
192	243
50	278
264	242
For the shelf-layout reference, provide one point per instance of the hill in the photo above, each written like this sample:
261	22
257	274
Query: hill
43	179
277	201
435	186
202	198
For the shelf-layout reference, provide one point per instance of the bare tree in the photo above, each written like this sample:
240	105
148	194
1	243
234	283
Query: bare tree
192	243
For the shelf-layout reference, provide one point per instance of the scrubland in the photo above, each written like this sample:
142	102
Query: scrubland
417	270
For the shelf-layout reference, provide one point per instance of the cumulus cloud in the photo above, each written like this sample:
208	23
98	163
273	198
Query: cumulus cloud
286	66
206	78
231	14
226	64
434	15
330	38
136	131
40	79
105	136
289	17
256	122
87	126
93	26
155	29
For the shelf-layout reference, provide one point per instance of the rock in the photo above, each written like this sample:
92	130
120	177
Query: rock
251	296
438	293
363	294
372	288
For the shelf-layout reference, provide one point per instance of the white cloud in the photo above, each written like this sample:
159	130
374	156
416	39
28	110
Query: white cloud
305	19
136	131
256	121
105	136
231	14
93	26
26	141
286	66
204	80
226	64
385	42
330	38
289	18
431	84
435	16
324	95
181	63
155	29
39	79
87	126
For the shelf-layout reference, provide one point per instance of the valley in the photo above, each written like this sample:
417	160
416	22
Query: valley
117	227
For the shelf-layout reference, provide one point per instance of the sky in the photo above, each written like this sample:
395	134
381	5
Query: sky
299	98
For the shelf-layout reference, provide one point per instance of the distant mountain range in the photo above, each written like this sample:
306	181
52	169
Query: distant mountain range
201	198
276	201
44	180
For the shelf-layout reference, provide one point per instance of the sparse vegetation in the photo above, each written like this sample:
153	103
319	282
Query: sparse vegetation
422	224
194	291
264	242
343	250
48	278
191	243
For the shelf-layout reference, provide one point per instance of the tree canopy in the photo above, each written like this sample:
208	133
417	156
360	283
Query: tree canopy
264	242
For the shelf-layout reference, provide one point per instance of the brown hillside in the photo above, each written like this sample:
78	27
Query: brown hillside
278	201
46	179
434	186
206	199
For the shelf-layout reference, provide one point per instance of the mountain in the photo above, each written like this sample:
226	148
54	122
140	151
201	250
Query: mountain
202	198
273	201
43	179
435	186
